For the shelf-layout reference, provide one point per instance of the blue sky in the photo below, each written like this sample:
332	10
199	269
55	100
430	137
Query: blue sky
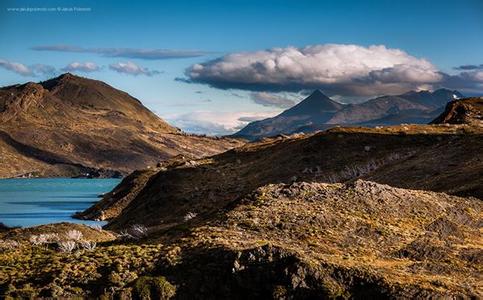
220	37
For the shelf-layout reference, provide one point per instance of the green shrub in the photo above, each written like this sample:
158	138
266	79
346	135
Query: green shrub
147	288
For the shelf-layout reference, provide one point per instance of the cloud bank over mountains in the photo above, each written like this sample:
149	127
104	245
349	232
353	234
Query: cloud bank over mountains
271	100
337	69
344	70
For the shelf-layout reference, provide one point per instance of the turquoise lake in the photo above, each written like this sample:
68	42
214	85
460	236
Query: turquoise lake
30	202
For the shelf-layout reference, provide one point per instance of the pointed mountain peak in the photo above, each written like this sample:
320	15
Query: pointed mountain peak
315	103
69	76
64	77
318	96
317	92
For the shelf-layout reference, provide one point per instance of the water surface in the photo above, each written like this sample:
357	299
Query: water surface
29	202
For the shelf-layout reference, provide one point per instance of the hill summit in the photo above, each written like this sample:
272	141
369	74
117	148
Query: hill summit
75	126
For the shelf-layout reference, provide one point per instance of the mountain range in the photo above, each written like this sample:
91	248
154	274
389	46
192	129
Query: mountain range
319	112
75	126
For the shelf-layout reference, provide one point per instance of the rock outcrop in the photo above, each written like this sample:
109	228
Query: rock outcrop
467	111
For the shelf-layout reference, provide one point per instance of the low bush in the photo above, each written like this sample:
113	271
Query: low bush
147	287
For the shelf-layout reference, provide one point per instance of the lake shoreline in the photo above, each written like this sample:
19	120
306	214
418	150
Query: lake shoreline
28	202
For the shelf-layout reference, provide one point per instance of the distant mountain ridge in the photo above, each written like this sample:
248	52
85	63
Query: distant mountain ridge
75	126
318	112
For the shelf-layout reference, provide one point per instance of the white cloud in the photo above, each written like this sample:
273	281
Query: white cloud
216	123
132	69
22	69
16	67
406	73
337	69
81	67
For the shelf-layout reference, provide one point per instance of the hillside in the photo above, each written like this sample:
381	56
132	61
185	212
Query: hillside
439	157
73	126
319	112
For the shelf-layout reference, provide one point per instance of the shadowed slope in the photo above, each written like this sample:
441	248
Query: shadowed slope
442	157
437	158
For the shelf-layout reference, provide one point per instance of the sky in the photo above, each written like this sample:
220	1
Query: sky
212	66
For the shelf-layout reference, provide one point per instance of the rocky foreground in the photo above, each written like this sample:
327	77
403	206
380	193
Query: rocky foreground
302	240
